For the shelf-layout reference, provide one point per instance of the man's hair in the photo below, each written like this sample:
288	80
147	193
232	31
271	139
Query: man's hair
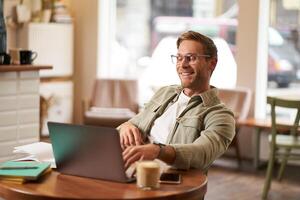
209	46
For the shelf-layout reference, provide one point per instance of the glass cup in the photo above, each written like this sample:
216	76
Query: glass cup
147	175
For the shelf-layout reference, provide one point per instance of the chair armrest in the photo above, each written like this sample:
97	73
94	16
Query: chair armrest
85	105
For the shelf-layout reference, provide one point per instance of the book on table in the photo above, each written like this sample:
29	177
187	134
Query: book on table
21	172
38	151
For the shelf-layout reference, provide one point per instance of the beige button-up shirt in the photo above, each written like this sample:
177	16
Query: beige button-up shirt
202	132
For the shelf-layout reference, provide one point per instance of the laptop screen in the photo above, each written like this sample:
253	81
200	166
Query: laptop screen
88	151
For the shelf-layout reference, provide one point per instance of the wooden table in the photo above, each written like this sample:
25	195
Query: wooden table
259	125
59	186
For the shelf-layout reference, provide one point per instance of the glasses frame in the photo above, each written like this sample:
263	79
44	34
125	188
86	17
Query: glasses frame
174	58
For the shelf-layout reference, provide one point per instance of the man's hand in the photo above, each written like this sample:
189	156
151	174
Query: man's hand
135	153
130	135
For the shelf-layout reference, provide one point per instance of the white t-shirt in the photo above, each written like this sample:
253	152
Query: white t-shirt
164	124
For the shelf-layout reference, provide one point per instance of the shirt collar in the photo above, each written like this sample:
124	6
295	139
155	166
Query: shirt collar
209	97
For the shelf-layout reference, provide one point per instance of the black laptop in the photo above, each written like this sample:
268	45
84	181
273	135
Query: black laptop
88	151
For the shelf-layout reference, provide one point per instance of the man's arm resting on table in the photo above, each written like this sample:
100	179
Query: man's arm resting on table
132	154
166	153
219	130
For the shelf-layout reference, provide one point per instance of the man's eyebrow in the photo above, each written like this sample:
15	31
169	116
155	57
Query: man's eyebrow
187	54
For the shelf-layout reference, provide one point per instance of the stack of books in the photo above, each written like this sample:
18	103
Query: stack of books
21	172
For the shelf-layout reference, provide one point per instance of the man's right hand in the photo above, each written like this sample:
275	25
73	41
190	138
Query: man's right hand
130	135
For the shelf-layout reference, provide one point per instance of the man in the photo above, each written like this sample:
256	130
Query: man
185	126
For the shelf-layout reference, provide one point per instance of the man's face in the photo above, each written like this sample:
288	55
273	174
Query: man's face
194	71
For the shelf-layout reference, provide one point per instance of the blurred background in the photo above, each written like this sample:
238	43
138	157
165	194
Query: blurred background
257	41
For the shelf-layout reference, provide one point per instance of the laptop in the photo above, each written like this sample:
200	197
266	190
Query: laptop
88	151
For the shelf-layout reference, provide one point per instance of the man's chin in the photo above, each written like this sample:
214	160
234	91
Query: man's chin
185	85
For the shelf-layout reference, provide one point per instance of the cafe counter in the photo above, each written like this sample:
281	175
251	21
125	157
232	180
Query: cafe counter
19	106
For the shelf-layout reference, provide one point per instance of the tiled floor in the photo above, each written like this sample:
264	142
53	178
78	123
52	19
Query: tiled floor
226	182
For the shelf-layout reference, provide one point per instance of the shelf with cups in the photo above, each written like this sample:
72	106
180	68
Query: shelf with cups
12	68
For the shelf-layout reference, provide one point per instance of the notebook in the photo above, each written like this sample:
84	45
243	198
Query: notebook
22	171
88	151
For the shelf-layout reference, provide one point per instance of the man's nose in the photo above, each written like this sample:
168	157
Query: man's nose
185	62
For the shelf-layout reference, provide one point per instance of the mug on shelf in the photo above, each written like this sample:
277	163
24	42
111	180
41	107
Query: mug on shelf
27	57
4	59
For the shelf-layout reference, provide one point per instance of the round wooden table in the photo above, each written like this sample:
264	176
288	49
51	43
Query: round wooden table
60	186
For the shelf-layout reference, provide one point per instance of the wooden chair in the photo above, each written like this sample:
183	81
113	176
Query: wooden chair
239	101
281	146
113	102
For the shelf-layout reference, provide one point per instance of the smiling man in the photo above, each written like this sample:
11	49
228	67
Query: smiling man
185	126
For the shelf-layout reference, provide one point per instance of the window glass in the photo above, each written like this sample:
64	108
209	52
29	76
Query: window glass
146	31
231	35
284	52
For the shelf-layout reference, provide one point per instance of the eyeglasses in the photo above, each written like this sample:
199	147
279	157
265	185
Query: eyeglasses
190	58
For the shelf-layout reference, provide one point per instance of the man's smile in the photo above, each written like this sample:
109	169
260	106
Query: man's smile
184	74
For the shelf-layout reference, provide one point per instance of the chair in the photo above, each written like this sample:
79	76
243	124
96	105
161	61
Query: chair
113	102
239	101
281	145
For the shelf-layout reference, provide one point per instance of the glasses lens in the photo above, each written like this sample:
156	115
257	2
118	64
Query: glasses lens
188	58
192	59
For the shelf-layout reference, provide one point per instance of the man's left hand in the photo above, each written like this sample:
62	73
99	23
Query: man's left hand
135	153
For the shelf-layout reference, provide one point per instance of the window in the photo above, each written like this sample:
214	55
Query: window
284	52
146	33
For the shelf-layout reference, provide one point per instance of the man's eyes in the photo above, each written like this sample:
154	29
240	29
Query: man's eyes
188	57
180	57
191	57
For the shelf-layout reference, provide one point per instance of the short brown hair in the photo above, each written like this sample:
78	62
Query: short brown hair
209	46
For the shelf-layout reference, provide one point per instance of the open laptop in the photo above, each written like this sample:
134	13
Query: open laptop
88	151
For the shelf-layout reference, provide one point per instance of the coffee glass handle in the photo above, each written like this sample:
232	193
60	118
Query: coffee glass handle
33	56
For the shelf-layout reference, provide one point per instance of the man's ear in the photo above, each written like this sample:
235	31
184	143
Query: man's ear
213	64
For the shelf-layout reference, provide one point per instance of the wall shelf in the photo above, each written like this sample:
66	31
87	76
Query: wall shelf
15	68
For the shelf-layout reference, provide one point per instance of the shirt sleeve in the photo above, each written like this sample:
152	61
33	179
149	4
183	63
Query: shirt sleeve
219	130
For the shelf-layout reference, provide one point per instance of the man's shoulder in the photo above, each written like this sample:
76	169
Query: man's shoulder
210	97
214	103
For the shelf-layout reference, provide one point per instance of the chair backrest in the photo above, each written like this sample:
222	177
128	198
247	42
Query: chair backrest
238	100
115	93
284	103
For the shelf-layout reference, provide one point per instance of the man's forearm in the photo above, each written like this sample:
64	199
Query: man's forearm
167	154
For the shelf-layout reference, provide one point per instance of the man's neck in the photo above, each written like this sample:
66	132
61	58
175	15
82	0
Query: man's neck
191	92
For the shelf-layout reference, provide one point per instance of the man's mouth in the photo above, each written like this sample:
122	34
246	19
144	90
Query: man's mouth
186	73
